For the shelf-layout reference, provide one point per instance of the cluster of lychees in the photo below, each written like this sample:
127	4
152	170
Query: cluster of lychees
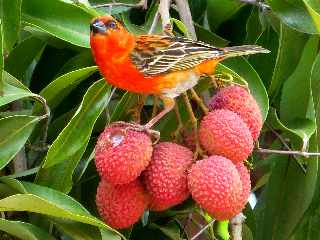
136	176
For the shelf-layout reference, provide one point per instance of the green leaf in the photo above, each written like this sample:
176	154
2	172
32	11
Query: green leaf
10	15
171	229
291	44
22	56
294	14
219	11
128	100
65	21
243	68
313	7
14	132
1	58
57	90
77	230
12	90
66	151
296	99
47	201
287	196
24	231
209	37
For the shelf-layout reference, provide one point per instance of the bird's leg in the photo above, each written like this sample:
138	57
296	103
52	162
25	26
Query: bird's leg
168	106
199	101
176	133
194	121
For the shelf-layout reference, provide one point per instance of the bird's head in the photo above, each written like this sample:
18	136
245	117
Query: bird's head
105	25
109	39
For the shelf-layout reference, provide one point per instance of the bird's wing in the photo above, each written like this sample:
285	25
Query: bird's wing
156	55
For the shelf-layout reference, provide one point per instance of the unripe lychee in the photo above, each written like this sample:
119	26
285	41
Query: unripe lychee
215	185
246	183
240	101
122	154
120	206
166	176
223	132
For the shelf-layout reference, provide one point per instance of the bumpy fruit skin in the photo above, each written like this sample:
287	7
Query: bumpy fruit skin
215	185
121	155
121	206
166	176
246	184
223	132
240	101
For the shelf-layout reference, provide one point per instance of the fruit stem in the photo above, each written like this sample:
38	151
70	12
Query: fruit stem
194	121
199	101
222	230
176	133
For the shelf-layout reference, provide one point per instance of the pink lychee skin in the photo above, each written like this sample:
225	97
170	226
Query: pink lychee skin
121	155
121	206
166	176
223	132
240	101
246	184
215	185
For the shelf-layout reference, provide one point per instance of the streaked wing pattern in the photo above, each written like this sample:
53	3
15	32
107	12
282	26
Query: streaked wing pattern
156	55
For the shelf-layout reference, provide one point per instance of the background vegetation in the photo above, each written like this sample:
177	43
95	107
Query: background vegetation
54	104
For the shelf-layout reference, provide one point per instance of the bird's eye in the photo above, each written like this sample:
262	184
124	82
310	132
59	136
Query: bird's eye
111	24
97	26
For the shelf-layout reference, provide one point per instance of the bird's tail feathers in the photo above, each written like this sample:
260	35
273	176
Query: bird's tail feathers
243	50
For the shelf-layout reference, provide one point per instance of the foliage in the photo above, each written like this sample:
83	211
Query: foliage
54	104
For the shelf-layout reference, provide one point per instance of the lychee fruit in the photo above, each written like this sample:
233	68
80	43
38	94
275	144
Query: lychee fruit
166	176
240	101
246	183
223	132
122	154
216	186
120	206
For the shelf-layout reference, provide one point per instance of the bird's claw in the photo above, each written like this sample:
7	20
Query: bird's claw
139	128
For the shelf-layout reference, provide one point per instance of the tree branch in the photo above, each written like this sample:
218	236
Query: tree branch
185	15
236	226
257	3
164	8
202	230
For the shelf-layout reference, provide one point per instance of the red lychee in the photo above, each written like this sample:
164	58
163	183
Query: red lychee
122	154
223	132
240	101
215	185
166	176
246	183
120	206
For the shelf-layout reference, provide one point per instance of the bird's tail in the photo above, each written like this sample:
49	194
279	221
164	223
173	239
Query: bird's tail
243	50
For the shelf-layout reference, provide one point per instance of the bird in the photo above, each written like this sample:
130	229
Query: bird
161	65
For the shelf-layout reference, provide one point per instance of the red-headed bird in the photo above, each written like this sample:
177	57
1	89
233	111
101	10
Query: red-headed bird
153	64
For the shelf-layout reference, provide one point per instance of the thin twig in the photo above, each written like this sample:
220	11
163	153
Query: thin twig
259	4
236	226
284	152
202	230
164	8
142	4
185	15
46	116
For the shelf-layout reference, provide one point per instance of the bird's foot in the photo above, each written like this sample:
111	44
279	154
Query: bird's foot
139	128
